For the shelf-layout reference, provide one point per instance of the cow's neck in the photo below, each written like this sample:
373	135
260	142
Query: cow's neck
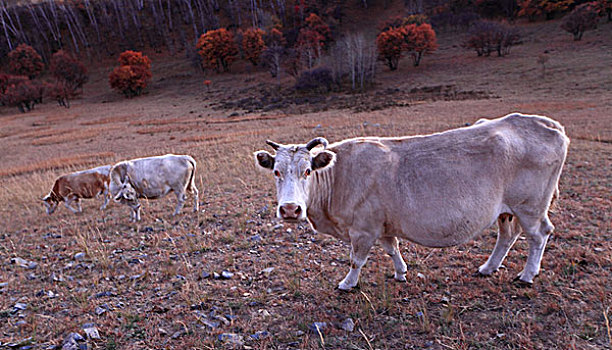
320	186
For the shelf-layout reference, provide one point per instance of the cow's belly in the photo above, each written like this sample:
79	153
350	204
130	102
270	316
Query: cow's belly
154	192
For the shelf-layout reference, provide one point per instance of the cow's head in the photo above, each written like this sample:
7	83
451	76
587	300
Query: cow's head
292	165
50	204
120	186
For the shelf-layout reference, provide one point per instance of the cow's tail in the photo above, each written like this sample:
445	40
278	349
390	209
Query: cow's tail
191	187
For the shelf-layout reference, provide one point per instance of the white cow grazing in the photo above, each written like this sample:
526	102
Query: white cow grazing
153	177
436	190
74	186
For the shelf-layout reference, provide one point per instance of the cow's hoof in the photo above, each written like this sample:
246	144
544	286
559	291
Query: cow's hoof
345	287
521	283
400	277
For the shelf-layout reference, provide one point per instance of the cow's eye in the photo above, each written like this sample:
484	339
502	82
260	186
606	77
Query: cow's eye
307	172
276	173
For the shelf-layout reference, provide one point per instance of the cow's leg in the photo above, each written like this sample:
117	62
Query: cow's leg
106	196
507	234
136	210
196	200
180	196
391	246
538	231
68	200
360	247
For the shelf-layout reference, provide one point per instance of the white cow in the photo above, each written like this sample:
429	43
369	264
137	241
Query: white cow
436	190
75	186
151	178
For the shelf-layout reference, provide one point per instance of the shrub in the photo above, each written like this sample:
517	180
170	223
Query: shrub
390	44
315	23
315	80
419	40
583	18
134	58
62	92
7	80
129	80
68	71
486	37
253	45
24	60
217	49
24	95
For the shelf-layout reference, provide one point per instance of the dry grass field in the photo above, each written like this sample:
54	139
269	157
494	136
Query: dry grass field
147	285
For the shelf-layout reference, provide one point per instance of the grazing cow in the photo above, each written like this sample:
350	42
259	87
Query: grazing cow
152	178
81	184
436	190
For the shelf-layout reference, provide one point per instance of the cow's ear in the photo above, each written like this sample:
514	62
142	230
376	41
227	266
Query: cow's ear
264	160
322	160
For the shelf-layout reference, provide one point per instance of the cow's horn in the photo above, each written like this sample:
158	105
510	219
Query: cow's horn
315	142
273	144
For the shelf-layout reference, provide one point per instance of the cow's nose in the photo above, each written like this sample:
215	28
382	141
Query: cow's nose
290	211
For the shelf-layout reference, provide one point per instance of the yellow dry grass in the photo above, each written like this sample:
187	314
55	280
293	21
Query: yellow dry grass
71	136
59	163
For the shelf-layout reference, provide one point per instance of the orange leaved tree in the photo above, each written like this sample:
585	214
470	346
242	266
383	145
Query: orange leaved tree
217	49
390	44
133	74
253	44
419	40
24	60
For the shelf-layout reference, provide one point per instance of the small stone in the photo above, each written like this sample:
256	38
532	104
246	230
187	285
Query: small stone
429	343
289	230
267	270
104	294
3	284
231	338
79	256
162	331
20	306
205	274
74	341
101	309
24	263
317	327
276	227
216	275
420	275
348	325
255	238
91	331
260	335
19	343
226	275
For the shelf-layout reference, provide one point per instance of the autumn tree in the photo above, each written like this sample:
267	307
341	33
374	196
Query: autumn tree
390	44
419	40
487	37
315	23
24	60
532	9
133	74
253	44
583	18
23	95
310	44
217	49
67	70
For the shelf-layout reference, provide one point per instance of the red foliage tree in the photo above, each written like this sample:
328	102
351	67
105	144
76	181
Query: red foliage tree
67	70
532	9
217	49
24	60
253	44
310	44
583	18
390	44
315	23
133	75
24	95
419	40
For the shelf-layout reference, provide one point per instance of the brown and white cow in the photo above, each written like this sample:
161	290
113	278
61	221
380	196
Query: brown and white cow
436	190
81	184
151	178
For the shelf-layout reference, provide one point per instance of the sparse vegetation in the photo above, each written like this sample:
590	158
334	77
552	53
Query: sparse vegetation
487	37
24	60
583	18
